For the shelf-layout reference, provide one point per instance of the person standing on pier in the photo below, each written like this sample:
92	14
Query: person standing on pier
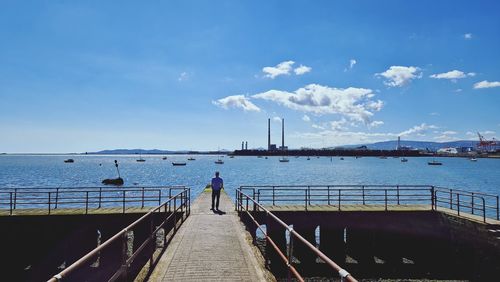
217	185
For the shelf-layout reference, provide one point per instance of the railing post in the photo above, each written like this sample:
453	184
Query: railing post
87	202
57	197
169	197
100	197
305	198
328	193
123	201
50	194
309	194
340	192
15	198
159	197
451	199
175	214
363	193
124	265
433	200
472	203
10	203
385	191
142	206
397	193
458	203
273	195
498	214
484	209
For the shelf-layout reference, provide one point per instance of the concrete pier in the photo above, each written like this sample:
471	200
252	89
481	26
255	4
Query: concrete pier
211	246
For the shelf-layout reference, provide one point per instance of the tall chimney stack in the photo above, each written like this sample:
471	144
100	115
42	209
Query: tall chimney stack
283	134
246	145
242	148
269	134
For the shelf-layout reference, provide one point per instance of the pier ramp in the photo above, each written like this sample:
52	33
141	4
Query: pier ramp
211	246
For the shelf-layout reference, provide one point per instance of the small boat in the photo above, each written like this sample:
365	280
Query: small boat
164	158
341	159
231	157
308	159
284	160
69	161
473	159
191	159
404	160
219	161
434	162
265	158
178	163
140	160
113	181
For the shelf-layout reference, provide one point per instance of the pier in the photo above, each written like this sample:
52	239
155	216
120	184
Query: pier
265	233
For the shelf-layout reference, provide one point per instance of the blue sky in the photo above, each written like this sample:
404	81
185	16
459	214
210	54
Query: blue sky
86	76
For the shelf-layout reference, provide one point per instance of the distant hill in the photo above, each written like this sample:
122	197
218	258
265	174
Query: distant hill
150	152
433	146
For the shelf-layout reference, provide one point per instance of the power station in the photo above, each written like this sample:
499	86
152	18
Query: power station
272	147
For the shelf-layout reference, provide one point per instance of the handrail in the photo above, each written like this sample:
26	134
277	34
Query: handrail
475	203
184	207
342	272
81	197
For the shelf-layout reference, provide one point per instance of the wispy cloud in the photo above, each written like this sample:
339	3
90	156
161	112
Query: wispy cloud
183	76
277	119
352	62
357	104
302	70
468	36
434	114
306	118
419	130
452	75
398	76
486	84
237	101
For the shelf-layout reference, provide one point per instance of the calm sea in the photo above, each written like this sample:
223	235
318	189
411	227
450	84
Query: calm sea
51	171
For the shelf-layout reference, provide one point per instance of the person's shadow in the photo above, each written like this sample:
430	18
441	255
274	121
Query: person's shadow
219	212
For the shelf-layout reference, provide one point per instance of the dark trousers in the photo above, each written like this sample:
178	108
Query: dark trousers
215	195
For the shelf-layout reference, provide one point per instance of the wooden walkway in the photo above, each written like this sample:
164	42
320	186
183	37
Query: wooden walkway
211	247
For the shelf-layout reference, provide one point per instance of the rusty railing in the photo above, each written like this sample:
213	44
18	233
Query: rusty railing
242	205
118	256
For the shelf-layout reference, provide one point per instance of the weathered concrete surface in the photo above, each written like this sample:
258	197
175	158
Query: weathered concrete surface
211	247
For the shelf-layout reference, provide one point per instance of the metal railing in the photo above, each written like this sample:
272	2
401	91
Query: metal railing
341	196
242	205
87	198
176	208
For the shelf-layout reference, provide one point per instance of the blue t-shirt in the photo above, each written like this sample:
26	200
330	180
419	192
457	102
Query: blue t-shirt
217	183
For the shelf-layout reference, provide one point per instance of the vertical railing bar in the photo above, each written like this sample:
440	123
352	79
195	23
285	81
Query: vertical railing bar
451	199
142	206
87	202
100	197
458	203
50	193
397	190
273	196
498	214
484	210
340	193
15	198
328	189
363	193
10	203
123	202
472	203
57	197
385	191
159	197
305	198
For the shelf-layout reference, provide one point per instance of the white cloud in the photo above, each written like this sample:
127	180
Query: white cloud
458	90
302	70
283	68
277	119
353	103
338	125
398	76
376	123
449	132
469	133
486	84
418	130
434	114
352	62
306	118
452	75
488	132
237	101
183	76
317	126
468	36
446	138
